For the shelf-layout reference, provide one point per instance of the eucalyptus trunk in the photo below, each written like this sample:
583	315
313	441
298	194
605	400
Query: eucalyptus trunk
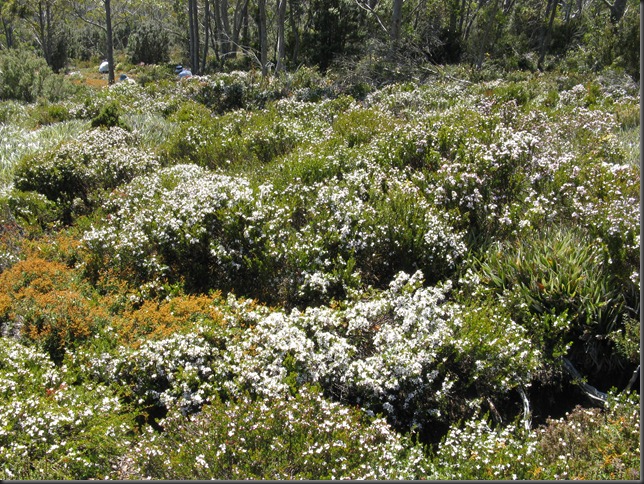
206	29
396	22
110	41
263	36
545	38
281	41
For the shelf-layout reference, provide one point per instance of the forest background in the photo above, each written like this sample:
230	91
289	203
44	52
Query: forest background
374	35
368	239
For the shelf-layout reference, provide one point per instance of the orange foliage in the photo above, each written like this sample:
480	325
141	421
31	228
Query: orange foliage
160	320
49	304
61	247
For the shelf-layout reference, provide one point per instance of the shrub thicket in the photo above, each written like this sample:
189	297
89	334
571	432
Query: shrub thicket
24	76
429	251
77	175
148	43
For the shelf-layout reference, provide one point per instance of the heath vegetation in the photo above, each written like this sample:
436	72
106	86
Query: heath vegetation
366	266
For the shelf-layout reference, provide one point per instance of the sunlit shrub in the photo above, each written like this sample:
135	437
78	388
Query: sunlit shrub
477	450
180	222
591	443
183	370
558	286
77	174
149	44
33	209
300	437
24	76
153	320
108	117
44	302
416	358
588	443
52	428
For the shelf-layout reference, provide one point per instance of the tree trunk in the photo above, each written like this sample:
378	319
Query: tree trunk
206	29
590	391
8	33
281	47
296	33
241	16
617	10
263	36
396	21
110	40
545	38
193	18
43	31
226	46
487	34
191	33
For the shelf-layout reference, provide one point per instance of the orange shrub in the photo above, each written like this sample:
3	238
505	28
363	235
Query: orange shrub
159	320
44	301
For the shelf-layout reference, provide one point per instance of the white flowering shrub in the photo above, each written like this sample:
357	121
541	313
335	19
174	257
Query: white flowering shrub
278	281
16	142
180	221
479	451
298	245
405	353
301	437
412	356
52	428
78	174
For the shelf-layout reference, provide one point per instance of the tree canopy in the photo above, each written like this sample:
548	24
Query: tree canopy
273	35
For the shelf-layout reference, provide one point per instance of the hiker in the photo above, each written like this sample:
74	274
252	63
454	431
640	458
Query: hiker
104	68
125	78
183	72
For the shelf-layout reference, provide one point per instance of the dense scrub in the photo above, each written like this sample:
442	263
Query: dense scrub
304	283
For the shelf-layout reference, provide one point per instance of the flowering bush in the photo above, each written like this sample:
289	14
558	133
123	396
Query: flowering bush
592	444
588	443
177	222
42	301
429	252
557	285
478	451
51	428
77	174
301	437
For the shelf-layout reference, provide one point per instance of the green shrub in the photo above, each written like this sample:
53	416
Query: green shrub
33	209
109	116
587	444
75	175
43	302
153	75
557	285
11	236
51	113
52	428
24	76
477	450
148	43
302	437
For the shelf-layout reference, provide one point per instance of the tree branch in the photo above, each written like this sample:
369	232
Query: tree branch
633	379
527	414
590	391
372	11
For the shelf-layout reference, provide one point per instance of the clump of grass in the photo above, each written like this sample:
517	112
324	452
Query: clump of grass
557	284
